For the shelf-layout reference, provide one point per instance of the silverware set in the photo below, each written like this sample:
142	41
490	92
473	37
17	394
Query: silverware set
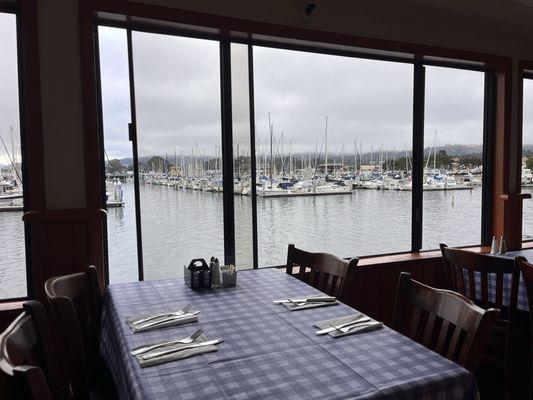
157	354
147	352
187	340
309	300
177	313
159	319
348	326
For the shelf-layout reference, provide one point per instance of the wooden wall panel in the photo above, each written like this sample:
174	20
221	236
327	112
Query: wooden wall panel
63	242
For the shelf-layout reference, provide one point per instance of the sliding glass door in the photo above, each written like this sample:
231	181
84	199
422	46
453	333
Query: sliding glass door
178	134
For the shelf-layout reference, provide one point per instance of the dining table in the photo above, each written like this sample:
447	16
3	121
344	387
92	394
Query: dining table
269	351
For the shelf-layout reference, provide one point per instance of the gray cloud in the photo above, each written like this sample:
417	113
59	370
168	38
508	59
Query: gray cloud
178	97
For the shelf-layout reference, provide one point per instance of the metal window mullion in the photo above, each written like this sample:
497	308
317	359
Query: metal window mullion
489	120
253	166
418	156
227	151
133	138
98	80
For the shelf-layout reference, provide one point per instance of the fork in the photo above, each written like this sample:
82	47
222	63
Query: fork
187	340
179	312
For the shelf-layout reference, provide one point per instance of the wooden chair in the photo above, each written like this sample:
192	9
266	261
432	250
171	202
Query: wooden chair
27	356
75	302
461	269
461	265
442	320
527	275
323	271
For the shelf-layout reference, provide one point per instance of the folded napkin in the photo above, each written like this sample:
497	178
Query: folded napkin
182	319
314	304
179	355
342	320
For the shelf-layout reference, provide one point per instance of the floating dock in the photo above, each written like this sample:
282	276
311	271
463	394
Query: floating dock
10	208
115	204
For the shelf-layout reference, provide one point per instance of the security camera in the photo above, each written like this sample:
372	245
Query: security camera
309	8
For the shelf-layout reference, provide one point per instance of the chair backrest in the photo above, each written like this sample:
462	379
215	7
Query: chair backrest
323	271
527	275
468	273
442	320
27	356
75	301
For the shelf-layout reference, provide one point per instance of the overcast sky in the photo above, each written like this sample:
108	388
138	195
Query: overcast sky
9	103
178	97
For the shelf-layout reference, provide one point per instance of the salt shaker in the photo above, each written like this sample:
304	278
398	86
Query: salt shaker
495	248
503	246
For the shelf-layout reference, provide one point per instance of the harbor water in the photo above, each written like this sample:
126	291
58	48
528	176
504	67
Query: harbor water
180	224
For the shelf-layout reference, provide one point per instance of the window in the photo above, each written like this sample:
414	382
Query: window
244	147
527	159
453	152
178	140
333	154
121	227
13	279
177	94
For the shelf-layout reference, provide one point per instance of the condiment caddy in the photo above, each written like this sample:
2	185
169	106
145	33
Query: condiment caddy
198	275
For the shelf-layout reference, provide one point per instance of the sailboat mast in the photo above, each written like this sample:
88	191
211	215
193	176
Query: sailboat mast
435	153
354	157
342	159
290	158
326	149
271	155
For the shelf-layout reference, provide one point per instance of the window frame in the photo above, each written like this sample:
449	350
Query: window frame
527	74
13	9
419	61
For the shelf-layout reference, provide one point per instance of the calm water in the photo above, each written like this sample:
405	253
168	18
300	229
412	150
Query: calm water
179	225
13	260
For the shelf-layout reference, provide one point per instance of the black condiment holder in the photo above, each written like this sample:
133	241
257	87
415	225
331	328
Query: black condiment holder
197	275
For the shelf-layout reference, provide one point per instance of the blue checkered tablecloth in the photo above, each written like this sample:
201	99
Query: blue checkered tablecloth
269	352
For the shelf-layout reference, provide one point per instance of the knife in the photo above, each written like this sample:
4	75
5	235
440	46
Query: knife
324	299
157	354
337	327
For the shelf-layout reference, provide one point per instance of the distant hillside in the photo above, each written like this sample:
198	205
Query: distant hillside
453	150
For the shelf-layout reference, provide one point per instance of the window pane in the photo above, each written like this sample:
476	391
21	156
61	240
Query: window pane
121	229
241	156
333	146
453	144
177	90
13	264
527	159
